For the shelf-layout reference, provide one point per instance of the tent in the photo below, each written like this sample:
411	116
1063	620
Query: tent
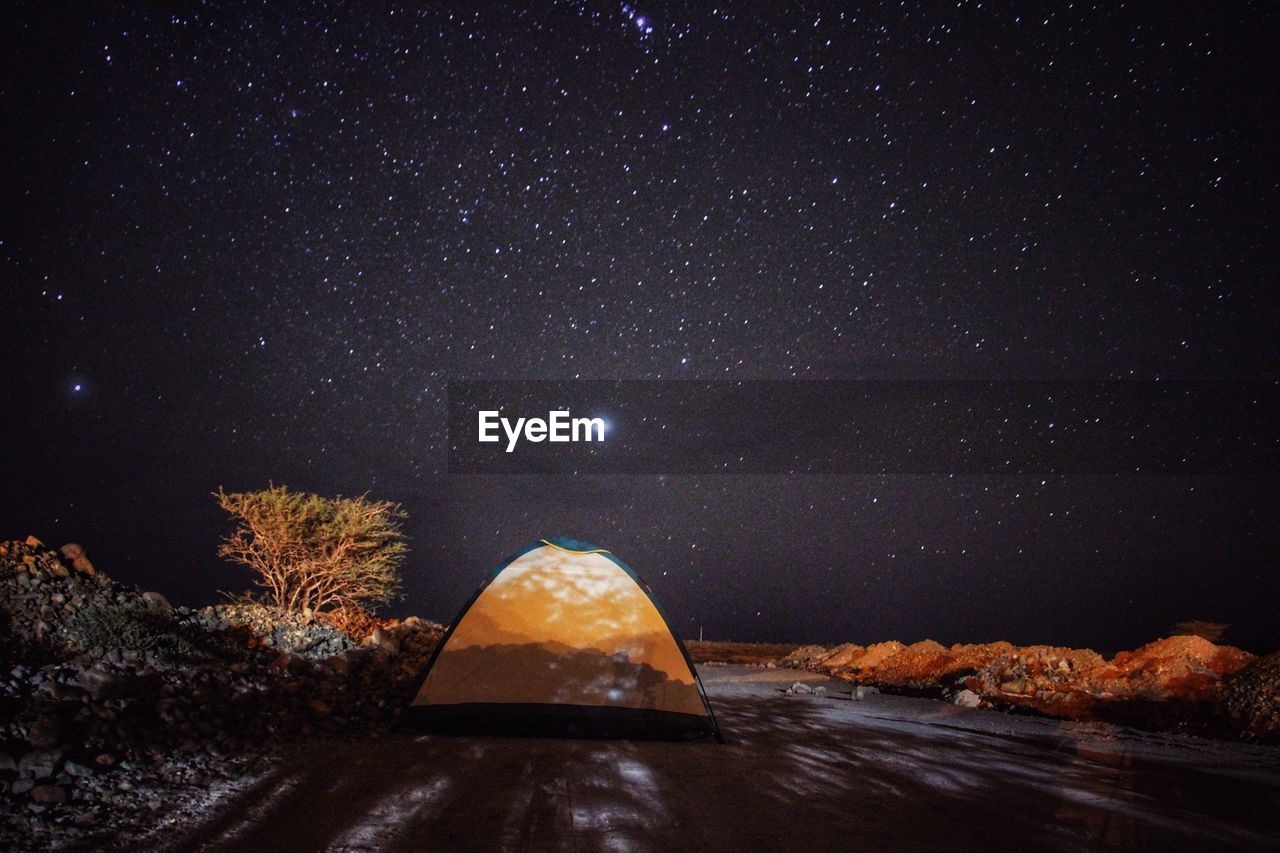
563	639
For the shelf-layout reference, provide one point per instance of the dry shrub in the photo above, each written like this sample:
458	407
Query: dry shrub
312	553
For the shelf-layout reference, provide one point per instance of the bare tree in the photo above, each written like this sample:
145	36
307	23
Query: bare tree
316	553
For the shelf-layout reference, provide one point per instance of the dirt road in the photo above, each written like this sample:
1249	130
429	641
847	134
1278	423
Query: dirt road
798	772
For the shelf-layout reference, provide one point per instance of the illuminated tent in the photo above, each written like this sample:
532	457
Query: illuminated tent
564	639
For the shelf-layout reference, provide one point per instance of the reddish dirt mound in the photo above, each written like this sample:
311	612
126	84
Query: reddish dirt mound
1184	667
916	665
970	657
843	656
878	654
1182	674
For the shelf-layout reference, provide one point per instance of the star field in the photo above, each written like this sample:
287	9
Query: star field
253	243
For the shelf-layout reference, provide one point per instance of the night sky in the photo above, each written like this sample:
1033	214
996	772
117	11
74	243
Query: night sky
248	243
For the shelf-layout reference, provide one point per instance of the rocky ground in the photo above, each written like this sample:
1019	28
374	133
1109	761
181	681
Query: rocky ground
117	709
121	715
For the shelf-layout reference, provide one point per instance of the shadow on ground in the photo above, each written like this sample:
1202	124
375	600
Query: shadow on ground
797	773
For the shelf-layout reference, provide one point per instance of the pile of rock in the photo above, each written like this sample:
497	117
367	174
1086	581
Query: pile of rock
43	592
275	628
110	697
1176	681
1252	697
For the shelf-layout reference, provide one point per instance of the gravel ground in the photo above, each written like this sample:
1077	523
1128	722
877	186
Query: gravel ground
798	772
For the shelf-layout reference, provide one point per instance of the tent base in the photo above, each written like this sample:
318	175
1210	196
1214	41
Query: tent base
565	721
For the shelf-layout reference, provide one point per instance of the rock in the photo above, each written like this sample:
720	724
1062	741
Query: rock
967	699
384	640
820	691
71	551
22	786
156	602
34	542
49	794
82	564
78	770
7	762
99	684
801	687
39	763
862	691
44	732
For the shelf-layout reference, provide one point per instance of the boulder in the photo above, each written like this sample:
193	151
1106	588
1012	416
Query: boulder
384	640
49	794
156	602
39	763
79	770
78	558
44	732
99	684
967	699
801	687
